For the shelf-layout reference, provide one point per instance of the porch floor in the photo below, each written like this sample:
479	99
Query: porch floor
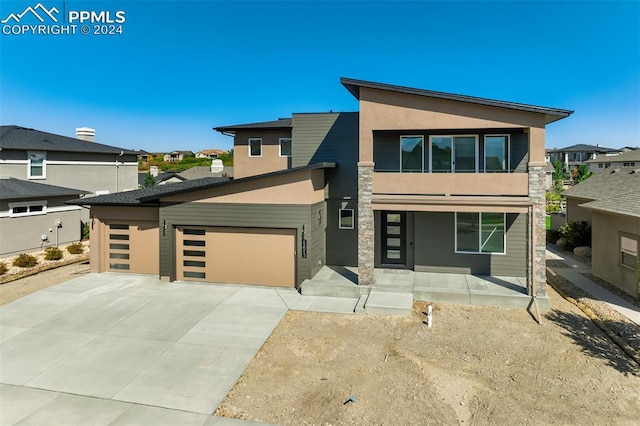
391	284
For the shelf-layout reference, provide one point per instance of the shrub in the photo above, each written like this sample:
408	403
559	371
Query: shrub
577	234
3	268
53	253
85	230
75	248
553	235
25	261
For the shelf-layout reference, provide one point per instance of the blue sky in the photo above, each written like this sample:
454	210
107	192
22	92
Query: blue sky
183	67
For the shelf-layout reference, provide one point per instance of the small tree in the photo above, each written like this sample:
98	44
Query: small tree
149	181
581	173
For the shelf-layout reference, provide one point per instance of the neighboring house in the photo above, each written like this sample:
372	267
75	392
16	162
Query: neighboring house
549	171
175	156
199	172
210	153
615	235
33	215
577	155
628	158
600	186
416	179
144	156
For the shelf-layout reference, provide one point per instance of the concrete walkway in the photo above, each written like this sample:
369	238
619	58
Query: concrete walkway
115	349
575	273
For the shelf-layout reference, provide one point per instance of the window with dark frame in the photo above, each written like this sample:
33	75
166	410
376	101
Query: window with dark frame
255	147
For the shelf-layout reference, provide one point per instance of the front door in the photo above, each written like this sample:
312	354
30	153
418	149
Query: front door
394	247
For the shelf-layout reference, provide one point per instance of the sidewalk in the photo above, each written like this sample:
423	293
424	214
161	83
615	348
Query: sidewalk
574	273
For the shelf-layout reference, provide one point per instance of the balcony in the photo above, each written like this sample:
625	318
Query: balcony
451	184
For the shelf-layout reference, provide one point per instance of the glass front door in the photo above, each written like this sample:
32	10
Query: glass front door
394	250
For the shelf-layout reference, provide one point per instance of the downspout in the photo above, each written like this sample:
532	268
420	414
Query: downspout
117	167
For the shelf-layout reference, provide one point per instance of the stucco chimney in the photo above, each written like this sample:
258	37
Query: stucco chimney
216	166
86	133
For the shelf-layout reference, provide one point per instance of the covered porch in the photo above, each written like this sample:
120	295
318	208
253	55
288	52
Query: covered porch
395	289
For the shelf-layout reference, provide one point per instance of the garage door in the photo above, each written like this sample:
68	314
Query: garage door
236	255
132	247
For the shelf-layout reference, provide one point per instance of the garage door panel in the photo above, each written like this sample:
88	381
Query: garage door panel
238	255
132	247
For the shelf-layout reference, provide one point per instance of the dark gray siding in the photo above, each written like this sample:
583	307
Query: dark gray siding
342	244
242	215
331	137
435	247
316	239
519	152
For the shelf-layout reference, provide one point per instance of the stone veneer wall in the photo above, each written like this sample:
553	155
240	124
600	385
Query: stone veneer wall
537	177
366	239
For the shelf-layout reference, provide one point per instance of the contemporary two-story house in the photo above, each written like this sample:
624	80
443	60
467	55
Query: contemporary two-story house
41	170
415	179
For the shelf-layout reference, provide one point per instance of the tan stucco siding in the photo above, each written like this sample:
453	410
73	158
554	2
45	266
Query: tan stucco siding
384	110
269	161
510	184
605	259
305	187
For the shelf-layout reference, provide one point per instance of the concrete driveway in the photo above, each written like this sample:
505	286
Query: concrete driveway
112	349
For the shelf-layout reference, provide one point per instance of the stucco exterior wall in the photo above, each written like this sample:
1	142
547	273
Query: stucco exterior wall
269	161
605	259
575	213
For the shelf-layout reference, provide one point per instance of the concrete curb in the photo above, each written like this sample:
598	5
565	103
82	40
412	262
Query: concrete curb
42	268
631	352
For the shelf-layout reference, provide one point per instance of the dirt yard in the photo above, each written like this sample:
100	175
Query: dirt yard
476	365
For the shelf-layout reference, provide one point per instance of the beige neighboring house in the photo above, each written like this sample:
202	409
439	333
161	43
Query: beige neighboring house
602	162
176	156
210	153
615	237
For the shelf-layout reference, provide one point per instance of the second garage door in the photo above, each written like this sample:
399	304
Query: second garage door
236	255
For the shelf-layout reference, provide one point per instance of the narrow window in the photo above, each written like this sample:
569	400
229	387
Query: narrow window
37	165
255	147
285	147
629	252
27	208
346	219
411	149
495	153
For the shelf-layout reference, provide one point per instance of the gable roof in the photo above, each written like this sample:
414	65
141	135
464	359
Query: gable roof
281	123
583	147
625	204
151	196
212	151
15	189
199	172
623	157
551	114
606	184
22	138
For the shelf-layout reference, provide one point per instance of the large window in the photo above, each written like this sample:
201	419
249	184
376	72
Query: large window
285	147
454	153
255	147
27	208
411	153
496	148
480	233
37	165
629	251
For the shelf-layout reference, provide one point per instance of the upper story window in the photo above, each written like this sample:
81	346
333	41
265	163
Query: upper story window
496	149
255	147
285	147
411	153
37	165
453	153
27	208
628	164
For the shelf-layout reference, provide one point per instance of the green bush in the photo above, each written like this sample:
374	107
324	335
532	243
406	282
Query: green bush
53	253
86	229
3	268
553	235
577	234
25	261
75	248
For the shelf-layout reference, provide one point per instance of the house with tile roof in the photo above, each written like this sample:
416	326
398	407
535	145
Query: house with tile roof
210	153
414	180
40	169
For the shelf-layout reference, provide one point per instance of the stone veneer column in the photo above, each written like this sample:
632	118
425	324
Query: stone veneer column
366	238
537	177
